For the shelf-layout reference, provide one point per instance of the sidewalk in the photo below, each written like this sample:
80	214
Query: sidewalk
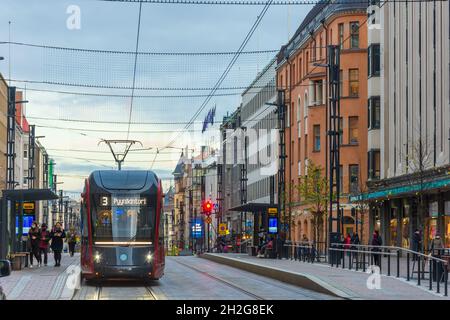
44	283
336	281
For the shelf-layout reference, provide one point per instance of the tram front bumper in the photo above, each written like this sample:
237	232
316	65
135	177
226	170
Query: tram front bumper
123	271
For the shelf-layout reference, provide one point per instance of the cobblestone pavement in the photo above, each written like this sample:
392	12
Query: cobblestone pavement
43	283
352	282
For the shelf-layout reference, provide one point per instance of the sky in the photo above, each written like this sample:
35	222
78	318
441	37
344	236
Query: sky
165	28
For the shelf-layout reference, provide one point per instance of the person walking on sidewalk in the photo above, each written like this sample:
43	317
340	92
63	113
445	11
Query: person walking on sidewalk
57	235
376	241
72	240
43	243
34	236
416	243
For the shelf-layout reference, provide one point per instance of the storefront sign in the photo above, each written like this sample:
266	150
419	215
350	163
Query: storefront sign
272	211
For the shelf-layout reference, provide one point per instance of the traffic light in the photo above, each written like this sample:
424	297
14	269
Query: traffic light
207	207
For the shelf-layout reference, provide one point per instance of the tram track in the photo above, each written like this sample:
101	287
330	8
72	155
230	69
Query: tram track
227	283
109	291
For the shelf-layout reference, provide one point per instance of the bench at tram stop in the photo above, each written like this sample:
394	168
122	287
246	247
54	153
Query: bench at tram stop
19	260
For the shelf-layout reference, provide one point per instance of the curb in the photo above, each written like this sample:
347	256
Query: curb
299	279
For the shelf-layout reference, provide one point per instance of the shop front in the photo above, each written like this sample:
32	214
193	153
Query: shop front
398	207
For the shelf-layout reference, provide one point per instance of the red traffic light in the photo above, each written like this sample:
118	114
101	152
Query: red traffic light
207	207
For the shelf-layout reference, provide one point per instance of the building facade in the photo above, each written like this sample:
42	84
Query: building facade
408	186
302	75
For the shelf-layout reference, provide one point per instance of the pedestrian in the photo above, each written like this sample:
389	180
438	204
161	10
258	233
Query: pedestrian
72	240
43	243
347	243
436	246
57	235
376	242
416	243
355	242
34	237
305	247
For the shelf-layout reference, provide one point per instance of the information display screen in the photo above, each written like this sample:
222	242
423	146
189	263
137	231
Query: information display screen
273	225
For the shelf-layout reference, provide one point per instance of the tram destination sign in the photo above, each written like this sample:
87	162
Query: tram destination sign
120	201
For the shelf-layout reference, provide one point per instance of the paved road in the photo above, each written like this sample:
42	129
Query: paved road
190	277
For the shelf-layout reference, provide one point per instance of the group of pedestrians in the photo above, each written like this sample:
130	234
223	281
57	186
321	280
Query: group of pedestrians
41	239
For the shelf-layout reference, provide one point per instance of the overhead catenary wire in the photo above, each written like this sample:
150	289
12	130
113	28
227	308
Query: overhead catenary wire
225	73
252	2
134	69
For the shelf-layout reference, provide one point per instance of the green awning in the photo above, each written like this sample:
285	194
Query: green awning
397	191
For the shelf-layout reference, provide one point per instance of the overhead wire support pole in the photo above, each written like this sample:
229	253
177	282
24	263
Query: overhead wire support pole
333	135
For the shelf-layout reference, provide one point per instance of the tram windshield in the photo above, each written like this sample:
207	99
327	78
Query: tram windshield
119	218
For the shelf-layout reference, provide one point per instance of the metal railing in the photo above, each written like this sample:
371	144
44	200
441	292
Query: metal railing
390	260
393	260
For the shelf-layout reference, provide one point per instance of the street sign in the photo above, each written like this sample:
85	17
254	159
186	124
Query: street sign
223	229
208	220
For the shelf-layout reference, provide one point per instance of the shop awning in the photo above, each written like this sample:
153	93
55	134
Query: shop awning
400	191
253	207
29	194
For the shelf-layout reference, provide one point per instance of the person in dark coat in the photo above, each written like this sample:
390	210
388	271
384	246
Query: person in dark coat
34	236
72	240
43	242
376	241
57	235
416	243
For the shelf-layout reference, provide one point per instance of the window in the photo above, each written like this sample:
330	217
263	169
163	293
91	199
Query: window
317	92
353	130
341	131
320	47
313	50
341	35
293	75
354	180
353	80
374	164
299	167
373	60
25	176
316	130
299	105
25	151
341	179
374	112
354	34
341	83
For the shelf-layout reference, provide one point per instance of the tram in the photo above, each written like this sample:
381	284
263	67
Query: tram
122	231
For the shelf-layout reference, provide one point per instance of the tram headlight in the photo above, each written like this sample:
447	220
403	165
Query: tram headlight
149	257
97	257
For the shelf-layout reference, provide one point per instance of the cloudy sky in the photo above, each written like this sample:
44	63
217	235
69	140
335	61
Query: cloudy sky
172	87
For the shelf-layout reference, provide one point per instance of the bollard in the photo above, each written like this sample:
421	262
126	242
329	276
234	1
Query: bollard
438	280
431	275
407	266
364	259
389	263
418	270
398	263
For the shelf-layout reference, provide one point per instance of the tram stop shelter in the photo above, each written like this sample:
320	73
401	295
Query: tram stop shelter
262	214
8	240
